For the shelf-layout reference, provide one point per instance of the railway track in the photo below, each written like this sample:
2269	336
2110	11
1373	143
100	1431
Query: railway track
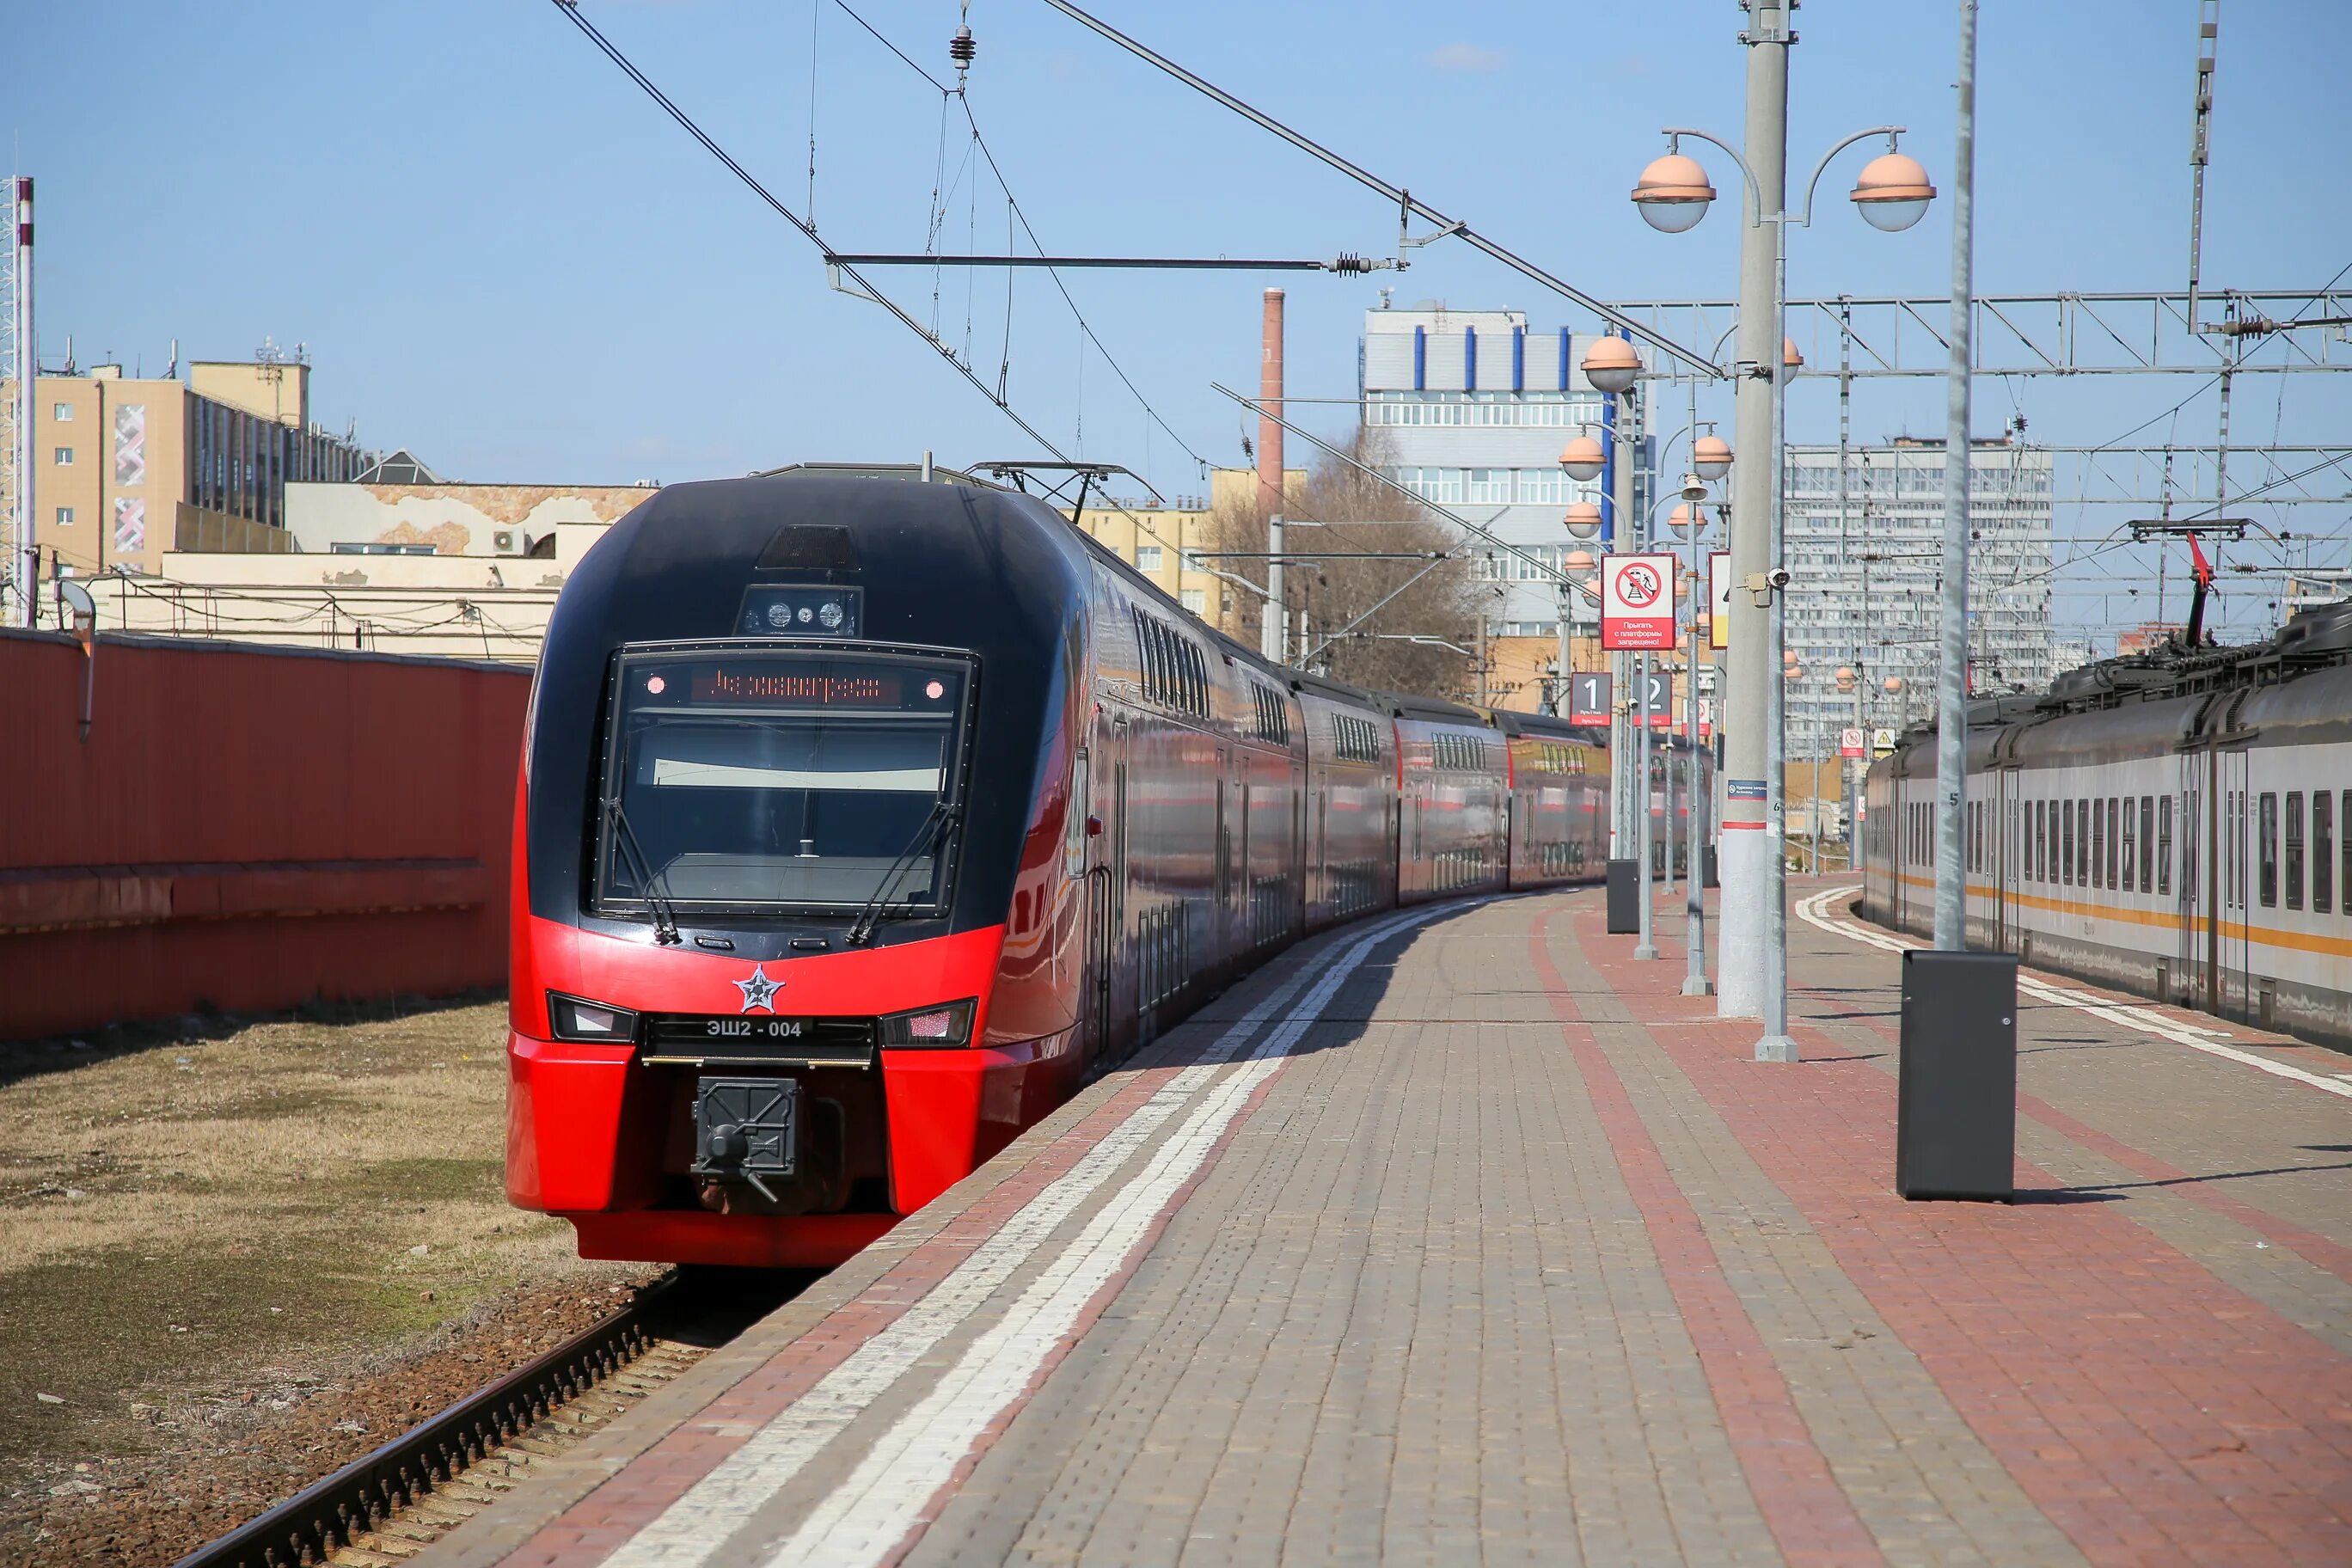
386	1506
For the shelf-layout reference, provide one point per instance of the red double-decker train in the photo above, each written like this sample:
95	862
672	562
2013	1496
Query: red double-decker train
862	818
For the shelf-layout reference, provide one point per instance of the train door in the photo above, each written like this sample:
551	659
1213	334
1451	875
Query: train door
1995	854
2235	950
1115	946
1295	882
1105	874
1900	859
1221	869
2178	816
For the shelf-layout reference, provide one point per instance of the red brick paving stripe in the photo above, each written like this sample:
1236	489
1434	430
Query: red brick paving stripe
2152	1411
2312	1248
1807	1512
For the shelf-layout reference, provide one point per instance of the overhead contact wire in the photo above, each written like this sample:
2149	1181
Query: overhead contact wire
570	9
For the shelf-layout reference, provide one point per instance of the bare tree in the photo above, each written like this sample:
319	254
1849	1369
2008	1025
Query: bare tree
1363	608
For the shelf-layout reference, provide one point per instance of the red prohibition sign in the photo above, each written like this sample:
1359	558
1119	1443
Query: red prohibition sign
1639	587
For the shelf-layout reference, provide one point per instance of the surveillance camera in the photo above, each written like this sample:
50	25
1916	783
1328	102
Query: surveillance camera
1777	577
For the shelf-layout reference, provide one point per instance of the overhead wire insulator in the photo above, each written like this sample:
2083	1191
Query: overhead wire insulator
960	48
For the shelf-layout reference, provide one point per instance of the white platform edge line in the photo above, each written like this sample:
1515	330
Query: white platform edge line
695	1528
865	1518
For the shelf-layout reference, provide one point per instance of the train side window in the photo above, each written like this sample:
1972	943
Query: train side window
2295	849
2098	847
2147	842
2065	843
2033	858
2266	853
2323	851
2086	852
2129	857
2113	853
2164	847
2344	876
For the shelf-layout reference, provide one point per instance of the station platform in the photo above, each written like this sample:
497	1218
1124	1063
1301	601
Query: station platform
1459	1235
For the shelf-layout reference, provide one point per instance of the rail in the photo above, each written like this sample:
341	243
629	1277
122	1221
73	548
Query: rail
330	1514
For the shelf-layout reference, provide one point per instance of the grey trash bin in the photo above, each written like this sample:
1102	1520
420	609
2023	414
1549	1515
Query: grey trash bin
1955	1109
1624	896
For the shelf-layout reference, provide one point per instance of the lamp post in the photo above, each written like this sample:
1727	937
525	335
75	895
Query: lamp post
1711	459
1612	366
1709	455
1673	195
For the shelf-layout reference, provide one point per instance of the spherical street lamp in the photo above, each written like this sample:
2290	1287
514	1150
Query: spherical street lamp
1584	459
1892	685
1892	192
1846	675
1711	456
1580	561
1794	672
1792	357
1582	519
1672	194
1684	518
1612	366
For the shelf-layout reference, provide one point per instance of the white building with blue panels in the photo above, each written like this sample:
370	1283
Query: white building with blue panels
1469	410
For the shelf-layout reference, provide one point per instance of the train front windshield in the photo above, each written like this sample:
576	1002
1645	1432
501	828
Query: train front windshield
780	781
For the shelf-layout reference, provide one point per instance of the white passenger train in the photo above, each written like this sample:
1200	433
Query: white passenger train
2176	824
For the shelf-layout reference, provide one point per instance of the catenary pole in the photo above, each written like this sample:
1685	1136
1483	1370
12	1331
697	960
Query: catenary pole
1775	1043
24	565
1750	666
1748	845
1694	980
1951	685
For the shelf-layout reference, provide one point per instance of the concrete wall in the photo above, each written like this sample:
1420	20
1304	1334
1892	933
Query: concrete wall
247	829
456	607
456	519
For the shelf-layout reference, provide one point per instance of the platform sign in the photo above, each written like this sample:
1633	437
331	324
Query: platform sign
1588	698
1658	700
1850	744
1719	599
1637	603
1882	742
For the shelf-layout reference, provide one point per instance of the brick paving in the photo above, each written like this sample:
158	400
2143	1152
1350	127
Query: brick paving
1475	1241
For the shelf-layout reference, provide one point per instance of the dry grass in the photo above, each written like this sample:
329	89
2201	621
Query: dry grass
193	1217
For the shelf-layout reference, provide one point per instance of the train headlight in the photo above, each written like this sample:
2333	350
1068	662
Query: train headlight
573	1019
830	614
944	1026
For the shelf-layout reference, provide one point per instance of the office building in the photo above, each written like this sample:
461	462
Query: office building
129	467
1866	589
1469	409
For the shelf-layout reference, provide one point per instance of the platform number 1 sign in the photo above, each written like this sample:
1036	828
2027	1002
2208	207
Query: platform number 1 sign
1587	698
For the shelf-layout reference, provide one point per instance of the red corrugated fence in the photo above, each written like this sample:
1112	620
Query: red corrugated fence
246	827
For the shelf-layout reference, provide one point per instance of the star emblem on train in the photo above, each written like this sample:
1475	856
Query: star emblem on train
758	992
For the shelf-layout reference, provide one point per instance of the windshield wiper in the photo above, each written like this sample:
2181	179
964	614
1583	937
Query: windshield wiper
861	930
625	837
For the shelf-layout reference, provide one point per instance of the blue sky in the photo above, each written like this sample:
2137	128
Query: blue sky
500	255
